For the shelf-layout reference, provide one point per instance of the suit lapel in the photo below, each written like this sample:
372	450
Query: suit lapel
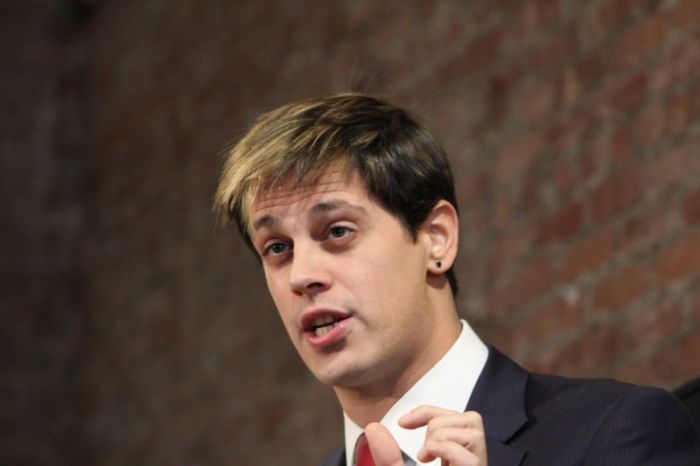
499	396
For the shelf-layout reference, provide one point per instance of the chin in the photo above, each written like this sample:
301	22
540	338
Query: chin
331	378
346	377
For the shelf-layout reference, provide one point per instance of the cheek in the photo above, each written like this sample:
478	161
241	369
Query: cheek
393	275
407	263
275	286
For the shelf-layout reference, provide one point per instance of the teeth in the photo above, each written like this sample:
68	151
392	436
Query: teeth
322	330
324	324
321	321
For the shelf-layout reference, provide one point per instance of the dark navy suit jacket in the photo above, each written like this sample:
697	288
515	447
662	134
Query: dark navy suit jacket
542	420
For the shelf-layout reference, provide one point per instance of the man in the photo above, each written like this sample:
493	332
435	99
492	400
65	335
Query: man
350	206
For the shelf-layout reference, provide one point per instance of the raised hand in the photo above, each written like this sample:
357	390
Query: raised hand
456	438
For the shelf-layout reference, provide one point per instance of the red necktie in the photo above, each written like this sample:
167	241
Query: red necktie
362	455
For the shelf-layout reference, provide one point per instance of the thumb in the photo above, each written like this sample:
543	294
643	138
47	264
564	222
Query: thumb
385	450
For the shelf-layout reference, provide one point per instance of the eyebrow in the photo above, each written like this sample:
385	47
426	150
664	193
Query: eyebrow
330	206
269	221
266	221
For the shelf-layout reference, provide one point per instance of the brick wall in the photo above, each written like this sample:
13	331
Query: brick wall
42	128
573	130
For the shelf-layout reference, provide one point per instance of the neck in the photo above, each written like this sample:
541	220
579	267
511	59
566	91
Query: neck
369	403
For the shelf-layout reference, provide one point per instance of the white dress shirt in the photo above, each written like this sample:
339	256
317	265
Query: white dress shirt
448	384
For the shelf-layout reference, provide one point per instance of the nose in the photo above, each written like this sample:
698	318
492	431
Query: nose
309	274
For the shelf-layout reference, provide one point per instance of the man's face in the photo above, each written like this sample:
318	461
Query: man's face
348	280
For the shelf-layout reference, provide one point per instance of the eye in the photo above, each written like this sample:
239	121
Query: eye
275	249
339	232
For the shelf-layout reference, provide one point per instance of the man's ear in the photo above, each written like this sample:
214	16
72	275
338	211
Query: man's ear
441	231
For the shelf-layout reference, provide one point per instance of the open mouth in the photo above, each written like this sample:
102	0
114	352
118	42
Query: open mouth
321	322
323	325
325	328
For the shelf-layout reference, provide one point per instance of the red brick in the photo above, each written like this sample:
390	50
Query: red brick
554	179
569	87
666	171
639	41
507	251
662	367
535	191
536	102
650	125
517	156
503	209
621	145
588	254
473	224
546	53
531	281
592	353
675	66
498	98
478	52
591	68
623	95
614	15
553	320
593	158
419	45
547	12
680	260
687	14
624	287
503	334
620	191
560	225
471	185
646	228
651	328
565	176
640	372
533	16
566	132
691	206
543	360
690	354
678	114
695	307
481	50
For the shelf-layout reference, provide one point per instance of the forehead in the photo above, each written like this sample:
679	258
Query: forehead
289	196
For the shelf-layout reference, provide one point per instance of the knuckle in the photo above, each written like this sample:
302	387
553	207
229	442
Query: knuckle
432	425
430	446
474	416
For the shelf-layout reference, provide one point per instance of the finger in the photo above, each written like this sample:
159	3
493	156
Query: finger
473	440
468	420
385	451
451	453
470	438
422	415
436	417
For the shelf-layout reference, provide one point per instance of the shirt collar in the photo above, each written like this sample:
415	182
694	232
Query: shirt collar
461	366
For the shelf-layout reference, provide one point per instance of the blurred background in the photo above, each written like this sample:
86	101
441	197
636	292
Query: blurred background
134	331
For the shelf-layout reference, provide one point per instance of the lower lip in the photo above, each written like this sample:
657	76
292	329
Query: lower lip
335	335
